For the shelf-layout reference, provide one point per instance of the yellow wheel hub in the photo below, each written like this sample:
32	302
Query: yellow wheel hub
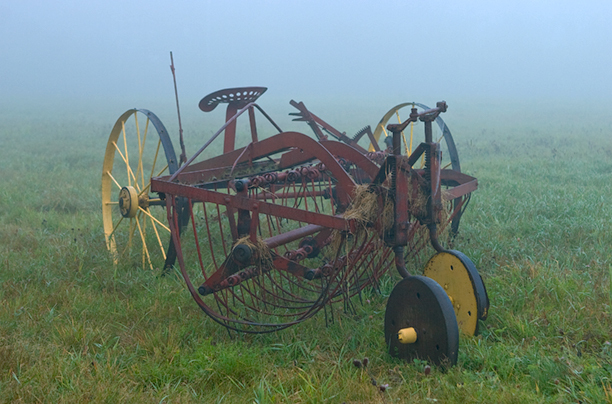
128	201
460	280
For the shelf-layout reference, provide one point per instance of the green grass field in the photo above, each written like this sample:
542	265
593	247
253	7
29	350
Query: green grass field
76	328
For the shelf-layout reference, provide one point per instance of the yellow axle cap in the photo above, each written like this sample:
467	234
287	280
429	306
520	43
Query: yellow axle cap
407	335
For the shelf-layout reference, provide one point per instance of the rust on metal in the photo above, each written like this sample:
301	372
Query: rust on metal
294	199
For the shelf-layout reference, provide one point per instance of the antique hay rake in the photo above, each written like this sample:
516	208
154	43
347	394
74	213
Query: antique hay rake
268	234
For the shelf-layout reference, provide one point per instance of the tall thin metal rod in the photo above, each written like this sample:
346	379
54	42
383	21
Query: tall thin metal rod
183	157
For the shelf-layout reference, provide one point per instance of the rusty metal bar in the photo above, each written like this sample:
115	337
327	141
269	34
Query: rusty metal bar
293	235
239	202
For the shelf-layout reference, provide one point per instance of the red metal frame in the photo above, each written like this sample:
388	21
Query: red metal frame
254	194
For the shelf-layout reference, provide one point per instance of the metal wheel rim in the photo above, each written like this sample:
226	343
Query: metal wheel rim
117	146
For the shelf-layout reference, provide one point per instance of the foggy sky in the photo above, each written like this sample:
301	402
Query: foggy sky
105	50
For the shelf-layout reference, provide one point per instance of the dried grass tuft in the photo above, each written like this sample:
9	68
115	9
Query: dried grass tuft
364	207
261	252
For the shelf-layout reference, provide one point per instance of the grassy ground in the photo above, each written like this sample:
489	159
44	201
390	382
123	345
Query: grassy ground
76	328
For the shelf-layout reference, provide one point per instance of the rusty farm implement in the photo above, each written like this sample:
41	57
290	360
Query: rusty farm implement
268	233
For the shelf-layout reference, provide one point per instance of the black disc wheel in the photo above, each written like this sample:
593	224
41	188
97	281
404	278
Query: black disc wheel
420	322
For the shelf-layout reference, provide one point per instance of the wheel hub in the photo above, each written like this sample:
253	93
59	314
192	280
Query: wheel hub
128	201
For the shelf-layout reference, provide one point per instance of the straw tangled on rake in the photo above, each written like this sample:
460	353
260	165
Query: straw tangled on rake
372	209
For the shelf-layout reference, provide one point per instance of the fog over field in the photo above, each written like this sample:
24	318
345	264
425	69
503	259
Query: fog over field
85	313
71	53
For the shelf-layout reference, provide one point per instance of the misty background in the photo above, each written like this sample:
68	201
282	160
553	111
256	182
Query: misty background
98	55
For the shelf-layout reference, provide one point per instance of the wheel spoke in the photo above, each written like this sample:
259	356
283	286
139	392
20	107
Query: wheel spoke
141	148
127	157
155	158
154	219
114	180
384	129
159	242
139	164
127	164
146	189
131	236
112	233
144	141
144	244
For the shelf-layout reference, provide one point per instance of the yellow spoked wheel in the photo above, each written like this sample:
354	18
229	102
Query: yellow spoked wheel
135	220
458	276
413	136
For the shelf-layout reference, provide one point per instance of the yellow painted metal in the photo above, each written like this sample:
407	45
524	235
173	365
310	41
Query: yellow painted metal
116	226
126	180
125	149
383	131
145	250
139	166
407	335
127	164
112	178
380	128
448	270
128	201
144	141
155	161
159	242
163	170
160	224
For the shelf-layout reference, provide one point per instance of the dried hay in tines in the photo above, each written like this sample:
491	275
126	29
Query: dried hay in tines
365	210
420	235
417	203
388	215
336	239
261	252
364	206
444	226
